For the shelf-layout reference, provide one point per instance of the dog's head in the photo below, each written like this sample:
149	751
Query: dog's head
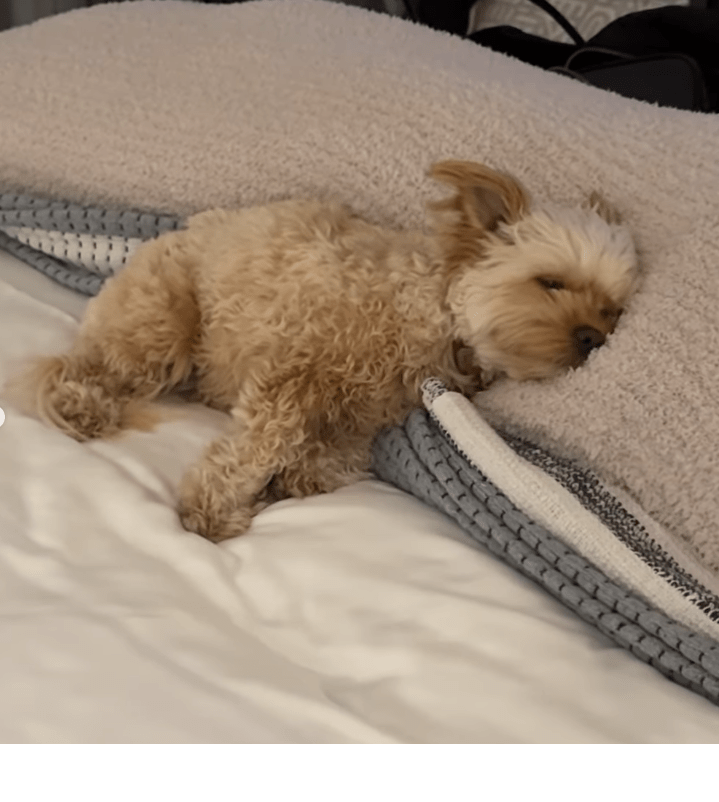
532	292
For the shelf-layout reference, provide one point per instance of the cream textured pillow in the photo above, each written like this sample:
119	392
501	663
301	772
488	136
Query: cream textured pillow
175	107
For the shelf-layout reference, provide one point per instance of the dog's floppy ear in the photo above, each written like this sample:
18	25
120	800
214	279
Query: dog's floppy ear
603	208
484	197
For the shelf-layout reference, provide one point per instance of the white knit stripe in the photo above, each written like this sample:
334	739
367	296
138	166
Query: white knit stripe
545	501
95	252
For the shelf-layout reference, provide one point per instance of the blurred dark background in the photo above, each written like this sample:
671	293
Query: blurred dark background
457	15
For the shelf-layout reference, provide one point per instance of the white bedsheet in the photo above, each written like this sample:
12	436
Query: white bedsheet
359	616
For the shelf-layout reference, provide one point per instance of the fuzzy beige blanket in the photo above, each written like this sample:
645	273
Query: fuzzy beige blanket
178	107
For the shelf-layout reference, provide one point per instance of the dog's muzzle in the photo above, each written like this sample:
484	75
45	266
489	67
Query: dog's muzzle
586	339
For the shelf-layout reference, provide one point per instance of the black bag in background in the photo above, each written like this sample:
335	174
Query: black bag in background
668	56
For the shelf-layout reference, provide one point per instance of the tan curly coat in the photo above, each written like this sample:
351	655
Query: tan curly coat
315	329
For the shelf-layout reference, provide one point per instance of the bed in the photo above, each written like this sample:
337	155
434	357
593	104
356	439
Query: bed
468	594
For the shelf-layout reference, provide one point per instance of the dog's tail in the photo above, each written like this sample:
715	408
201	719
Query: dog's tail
62	391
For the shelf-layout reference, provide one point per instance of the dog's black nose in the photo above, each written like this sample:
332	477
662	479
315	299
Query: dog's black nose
586	339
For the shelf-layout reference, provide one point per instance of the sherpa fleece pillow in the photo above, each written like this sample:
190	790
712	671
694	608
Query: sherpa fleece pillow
175	107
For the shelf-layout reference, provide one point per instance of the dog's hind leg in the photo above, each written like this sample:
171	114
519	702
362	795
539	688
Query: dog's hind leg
135	342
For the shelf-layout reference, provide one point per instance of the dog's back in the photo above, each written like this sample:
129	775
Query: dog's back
311	282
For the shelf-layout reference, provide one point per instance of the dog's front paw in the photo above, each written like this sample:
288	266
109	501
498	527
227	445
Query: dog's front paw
205	513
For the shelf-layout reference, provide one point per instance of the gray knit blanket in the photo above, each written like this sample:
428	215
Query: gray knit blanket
553	520
76	246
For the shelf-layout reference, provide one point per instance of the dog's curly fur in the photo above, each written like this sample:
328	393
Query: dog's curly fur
315	329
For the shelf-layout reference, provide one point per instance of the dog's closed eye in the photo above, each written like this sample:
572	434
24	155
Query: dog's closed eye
550	283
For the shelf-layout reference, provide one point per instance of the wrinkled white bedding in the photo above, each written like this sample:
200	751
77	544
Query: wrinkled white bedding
360	616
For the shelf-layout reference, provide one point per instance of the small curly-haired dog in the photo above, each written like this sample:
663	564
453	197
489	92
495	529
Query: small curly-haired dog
315	329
